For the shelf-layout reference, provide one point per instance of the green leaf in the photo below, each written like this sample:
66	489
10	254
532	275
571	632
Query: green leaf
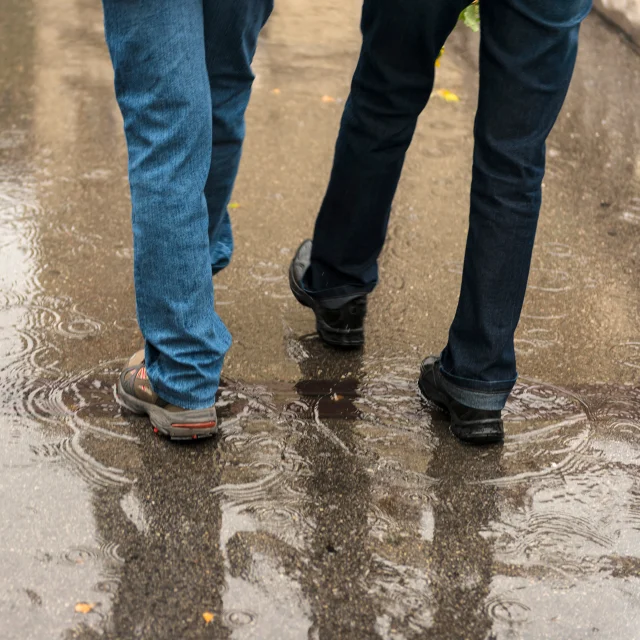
471	16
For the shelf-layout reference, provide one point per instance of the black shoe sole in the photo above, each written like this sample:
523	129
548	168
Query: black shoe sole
341	338
478	433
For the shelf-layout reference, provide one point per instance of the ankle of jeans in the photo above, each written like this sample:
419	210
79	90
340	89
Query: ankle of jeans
219	263
477	394
179	400
337	296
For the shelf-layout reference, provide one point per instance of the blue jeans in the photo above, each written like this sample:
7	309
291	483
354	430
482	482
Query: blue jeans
183	80
527	55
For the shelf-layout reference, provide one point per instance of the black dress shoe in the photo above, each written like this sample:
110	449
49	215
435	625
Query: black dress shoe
339	321
477	426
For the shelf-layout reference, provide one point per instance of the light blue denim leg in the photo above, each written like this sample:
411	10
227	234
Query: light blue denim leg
162	86
231	30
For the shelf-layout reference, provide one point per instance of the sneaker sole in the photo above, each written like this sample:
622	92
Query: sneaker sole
488	432
341	338
172	425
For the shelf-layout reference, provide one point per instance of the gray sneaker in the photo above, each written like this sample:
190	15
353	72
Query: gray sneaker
136	394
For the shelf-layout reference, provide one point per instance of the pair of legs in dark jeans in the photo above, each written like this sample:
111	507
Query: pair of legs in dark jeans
527	55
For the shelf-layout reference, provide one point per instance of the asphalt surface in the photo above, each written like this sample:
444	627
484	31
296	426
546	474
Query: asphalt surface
334	504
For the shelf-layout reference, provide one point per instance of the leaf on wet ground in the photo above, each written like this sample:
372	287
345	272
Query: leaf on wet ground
84	607
234	205
328	99
471	16
208	617
439	56
447	95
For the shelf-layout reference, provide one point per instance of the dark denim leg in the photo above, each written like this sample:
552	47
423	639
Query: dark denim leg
527	55
391	86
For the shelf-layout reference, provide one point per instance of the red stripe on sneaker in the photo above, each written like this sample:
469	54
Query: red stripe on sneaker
195	425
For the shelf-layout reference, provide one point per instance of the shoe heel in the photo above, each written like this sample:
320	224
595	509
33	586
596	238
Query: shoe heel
344	338
343	327
179	427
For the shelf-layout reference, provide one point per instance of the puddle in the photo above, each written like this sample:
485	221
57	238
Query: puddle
51	555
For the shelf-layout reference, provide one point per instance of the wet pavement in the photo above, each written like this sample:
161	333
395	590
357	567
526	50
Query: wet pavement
334	504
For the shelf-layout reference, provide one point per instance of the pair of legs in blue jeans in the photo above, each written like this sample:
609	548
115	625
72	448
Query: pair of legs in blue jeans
183	80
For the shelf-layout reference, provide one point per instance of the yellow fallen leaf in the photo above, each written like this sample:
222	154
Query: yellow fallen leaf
234	205
84	607
449	96
276	91
208	617
328	99
335	397
439	56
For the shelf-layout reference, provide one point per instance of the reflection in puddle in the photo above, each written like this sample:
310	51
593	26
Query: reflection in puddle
556	503
51	555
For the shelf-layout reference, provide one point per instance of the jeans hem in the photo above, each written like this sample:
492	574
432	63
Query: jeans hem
177	400
215	269
335	293
488	398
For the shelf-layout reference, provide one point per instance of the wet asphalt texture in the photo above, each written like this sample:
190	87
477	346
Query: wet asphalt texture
334	504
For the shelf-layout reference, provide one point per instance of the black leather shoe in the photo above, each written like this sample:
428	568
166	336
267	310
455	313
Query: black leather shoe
339	321
477	426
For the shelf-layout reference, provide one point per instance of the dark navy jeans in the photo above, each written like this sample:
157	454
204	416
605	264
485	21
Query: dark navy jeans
527	55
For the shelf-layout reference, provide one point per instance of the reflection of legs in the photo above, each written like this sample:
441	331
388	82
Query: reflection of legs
231	30
461	556
338	498
175	571
391	85
158	53
528	51
328	493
